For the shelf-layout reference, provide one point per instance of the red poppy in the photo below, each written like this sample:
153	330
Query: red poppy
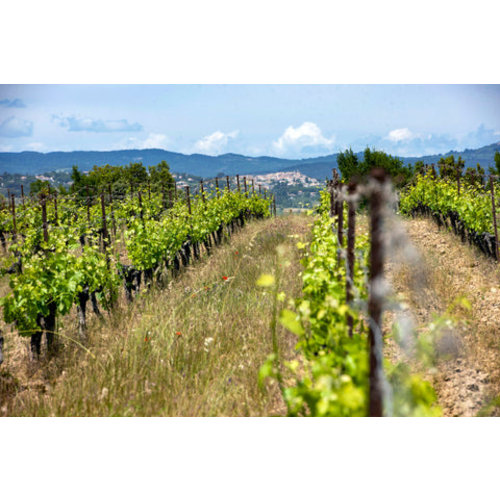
146	339
224	278
178	333
236	253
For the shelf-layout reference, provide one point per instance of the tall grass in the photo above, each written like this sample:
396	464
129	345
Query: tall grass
193	348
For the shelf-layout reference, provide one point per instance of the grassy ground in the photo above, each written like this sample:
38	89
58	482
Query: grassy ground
193	348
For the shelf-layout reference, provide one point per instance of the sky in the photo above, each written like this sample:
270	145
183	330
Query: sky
287	121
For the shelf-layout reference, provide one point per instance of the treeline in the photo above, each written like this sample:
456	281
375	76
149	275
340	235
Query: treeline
353	169
122	179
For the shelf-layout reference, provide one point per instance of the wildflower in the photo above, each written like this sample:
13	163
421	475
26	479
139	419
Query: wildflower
224	278
236	253
178	333
207	343
146	338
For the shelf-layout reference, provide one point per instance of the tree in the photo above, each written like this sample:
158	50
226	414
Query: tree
352	169
348	164
161	177
496	170
39	186
136	174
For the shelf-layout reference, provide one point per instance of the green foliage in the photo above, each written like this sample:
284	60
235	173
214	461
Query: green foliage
352	169
333	377
473	205
55	272
496	170
39	186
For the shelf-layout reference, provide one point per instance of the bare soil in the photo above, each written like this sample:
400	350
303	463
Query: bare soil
467	373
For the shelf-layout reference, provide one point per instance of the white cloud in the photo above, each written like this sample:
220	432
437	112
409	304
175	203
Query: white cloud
152	141
14	127
306	137
400	134
82	124
215	143
155	141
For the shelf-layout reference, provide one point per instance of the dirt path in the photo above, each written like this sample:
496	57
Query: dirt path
467	374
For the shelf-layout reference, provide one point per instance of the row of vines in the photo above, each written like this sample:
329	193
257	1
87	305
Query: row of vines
62	252
467	209
338	319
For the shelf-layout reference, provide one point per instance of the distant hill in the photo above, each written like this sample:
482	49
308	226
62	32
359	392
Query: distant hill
29	162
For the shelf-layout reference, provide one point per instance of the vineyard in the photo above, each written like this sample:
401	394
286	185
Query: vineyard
62	252
213	271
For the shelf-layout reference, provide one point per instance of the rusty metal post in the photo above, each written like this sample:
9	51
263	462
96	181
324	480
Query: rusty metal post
376	299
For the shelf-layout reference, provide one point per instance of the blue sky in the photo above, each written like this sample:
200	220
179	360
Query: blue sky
289	121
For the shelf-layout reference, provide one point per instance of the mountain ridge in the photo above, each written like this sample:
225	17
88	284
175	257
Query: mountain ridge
32	162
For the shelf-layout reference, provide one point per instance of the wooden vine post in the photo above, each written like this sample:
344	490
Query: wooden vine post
14	224
340	226
245	186
375	300
88	204
44	219
202	192
217	187
22	194
227	182
494	213
113	222
238	182
141	211
260	188
105	236
253	187
188	200
56	217
351	241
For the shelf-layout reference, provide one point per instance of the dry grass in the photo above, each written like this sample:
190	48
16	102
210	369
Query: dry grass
137	364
